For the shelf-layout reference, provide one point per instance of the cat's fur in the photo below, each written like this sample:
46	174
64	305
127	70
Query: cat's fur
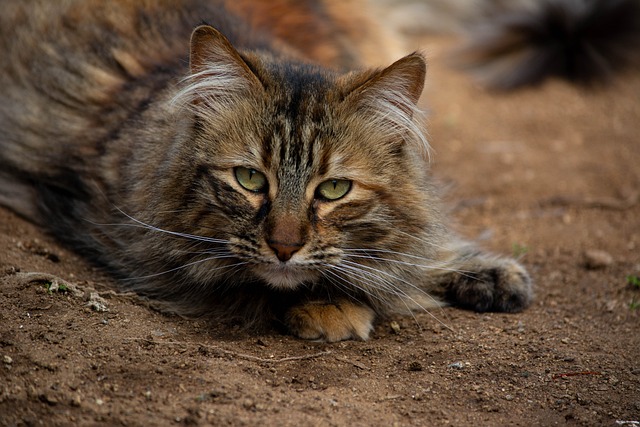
510	44
587	42
123	141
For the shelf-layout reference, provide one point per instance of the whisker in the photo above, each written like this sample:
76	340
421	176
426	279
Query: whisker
375	270
383	288
391	289
420	239
465	273
216	251
188	265
402	293
387	286
344	286
142	224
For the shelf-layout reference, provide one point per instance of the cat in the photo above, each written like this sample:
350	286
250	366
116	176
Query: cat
212	168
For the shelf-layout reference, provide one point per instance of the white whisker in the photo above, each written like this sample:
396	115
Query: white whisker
345	286
464	273
200	261
368	282
142	224
399	291
390	289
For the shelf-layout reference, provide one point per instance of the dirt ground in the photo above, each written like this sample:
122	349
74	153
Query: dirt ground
550	174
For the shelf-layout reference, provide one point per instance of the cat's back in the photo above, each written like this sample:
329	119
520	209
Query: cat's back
80	55
74	72
96	29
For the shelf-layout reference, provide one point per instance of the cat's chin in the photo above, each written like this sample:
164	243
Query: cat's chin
284	276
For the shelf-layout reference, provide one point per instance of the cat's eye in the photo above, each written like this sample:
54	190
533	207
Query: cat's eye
251	179
333	189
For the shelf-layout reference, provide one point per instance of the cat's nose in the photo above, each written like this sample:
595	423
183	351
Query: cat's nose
284	250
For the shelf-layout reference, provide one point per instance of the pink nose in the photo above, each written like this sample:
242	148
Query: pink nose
284	251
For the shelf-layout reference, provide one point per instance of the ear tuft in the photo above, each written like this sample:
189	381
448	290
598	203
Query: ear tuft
389	98
404	79
407	76
219	76
209	48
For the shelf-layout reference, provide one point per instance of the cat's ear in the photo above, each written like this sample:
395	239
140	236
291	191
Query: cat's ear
217	65
388	98
400	84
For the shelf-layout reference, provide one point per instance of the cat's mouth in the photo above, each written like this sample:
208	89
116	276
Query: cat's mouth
284	276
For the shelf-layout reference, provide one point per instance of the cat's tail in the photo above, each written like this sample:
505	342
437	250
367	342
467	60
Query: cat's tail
521	43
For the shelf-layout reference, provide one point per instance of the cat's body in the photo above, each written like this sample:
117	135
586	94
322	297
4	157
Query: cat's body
243	183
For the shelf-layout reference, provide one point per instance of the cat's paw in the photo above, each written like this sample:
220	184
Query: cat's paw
493	285
330	322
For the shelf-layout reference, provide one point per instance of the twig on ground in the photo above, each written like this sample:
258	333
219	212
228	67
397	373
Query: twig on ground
354	363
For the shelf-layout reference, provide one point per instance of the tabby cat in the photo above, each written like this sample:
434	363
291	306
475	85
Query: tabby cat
230	175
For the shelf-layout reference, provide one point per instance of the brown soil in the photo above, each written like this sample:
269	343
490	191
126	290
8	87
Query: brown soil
551	174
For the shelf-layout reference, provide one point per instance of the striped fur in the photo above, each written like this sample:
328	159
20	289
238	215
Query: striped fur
128	151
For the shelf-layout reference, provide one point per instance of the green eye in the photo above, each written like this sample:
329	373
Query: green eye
251	179
333	189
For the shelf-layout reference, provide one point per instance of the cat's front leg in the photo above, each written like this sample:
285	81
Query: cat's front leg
330	321
482	282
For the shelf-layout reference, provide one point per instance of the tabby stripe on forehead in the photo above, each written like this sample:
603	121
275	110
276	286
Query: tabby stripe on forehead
279	135
312	140
292	127
308	134
318	119
296	145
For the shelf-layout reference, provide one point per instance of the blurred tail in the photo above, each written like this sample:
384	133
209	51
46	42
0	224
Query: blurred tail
584	41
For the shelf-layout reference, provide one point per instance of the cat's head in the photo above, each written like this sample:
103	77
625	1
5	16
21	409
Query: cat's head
299	168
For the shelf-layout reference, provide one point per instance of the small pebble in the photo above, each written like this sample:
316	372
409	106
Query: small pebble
8	360
48	399
457	365
596	259
97	303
